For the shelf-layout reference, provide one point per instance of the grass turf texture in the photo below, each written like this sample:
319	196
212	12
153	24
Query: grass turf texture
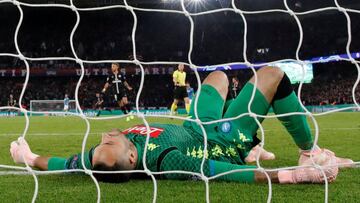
62	136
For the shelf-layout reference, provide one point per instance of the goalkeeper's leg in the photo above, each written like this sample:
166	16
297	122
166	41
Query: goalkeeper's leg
273	88
286	101
264	154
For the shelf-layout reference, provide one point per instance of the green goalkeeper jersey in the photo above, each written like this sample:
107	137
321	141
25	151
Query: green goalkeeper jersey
174	147
165	138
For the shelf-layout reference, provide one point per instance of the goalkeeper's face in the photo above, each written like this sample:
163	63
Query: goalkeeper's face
115	149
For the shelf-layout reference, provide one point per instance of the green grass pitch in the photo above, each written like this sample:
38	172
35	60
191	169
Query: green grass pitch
62	136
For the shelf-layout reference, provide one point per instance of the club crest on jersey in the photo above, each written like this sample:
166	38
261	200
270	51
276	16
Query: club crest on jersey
225	127
141	130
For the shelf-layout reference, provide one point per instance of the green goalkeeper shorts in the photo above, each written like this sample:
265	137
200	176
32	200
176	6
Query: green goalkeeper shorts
238	132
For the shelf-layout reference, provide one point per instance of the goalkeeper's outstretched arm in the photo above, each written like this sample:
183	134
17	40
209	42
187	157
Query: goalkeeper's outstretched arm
20	152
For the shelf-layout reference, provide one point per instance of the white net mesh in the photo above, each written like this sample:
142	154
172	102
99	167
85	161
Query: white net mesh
190	16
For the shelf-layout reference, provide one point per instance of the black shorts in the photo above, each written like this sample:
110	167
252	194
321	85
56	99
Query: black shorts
180	92
118	97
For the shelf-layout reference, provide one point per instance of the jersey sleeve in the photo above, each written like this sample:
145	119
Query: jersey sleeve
73	162
108	79
175	74
176	160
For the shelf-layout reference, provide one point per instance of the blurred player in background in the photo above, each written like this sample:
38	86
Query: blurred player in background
179	77
11	101
99	102
118	83
66	103
190	92
234	87
180	147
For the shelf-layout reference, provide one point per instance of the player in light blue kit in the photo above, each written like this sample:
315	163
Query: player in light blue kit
66	103
190	91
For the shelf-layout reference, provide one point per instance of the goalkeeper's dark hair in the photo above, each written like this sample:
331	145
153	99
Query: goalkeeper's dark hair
111	177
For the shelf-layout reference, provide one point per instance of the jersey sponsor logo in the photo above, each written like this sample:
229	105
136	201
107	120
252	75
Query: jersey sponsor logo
141	130
225	127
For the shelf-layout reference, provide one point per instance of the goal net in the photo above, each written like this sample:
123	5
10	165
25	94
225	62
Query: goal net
46	106
52	106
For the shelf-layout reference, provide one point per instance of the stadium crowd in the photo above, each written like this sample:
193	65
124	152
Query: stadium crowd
331	85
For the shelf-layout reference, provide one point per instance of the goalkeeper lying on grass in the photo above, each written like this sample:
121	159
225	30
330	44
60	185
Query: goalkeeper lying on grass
230	144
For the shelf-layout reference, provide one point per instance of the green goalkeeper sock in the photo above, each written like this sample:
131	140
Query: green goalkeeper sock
296	125
286	101
239	105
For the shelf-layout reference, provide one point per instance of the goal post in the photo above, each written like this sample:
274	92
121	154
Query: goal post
51	106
